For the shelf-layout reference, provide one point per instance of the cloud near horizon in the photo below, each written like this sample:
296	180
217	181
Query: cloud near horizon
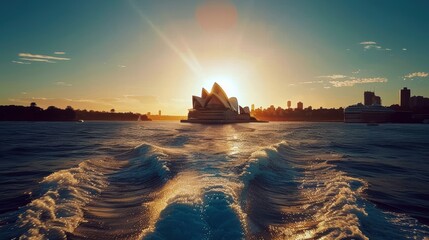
19	62
373	45
368	43
353	81
416	75
334	76
40	58
37	60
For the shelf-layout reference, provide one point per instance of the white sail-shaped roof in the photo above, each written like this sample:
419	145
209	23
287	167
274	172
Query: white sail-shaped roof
217	89
197	102
234	103
204	93
215	100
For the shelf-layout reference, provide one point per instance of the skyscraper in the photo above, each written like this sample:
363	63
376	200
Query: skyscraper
368	98
253	107
404	95
289	104
376	100
300	105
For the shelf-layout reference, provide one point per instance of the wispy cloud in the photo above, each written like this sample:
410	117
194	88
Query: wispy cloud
368	43
60	53
334	76
353	81
38	56
367	47
122	66
37	60
356	72
404	49
19	62
416	75
63	84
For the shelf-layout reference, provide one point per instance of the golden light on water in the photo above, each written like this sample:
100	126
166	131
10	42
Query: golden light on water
184	189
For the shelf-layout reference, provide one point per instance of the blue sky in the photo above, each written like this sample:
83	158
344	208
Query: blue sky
149	55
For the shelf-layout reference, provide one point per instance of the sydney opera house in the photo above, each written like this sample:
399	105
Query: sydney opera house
216	107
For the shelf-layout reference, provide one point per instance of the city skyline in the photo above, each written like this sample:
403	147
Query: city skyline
142	57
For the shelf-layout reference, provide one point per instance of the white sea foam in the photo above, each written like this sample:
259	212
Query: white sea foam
59	207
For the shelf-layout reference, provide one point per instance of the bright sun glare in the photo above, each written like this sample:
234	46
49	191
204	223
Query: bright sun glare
226	82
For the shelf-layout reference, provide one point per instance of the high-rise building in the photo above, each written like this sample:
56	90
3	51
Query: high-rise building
159	112
404	95
300	105
368	98
289	104
419	102
376	100
253	107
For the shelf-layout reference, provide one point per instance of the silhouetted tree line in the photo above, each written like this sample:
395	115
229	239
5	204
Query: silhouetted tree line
307	114
35	113
109	116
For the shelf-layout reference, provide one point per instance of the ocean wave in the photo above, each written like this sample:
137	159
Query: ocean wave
290	194
58	204
199	207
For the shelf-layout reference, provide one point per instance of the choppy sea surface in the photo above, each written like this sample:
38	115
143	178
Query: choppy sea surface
166	180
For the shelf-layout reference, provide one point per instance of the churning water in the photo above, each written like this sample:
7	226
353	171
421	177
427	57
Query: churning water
165	180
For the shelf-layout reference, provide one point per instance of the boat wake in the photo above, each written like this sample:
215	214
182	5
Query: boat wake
223	190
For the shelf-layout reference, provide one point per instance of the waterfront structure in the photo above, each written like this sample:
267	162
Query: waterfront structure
369	112
404	95
289	104
216	107
299	106
361	113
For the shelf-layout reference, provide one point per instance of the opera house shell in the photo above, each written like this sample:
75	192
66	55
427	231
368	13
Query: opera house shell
216	107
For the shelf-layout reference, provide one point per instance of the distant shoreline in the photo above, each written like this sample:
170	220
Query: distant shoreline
54	114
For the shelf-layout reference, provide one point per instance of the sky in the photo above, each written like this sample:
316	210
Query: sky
145	56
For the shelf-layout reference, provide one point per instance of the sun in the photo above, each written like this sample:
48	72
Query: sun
226	82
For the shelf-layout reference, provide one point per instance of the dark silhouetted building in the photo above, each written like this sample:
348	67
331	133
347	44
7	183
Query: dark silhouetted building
253	107
371	99
418	102
159	112
376	100
300	105
368	98
405	94
289	104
